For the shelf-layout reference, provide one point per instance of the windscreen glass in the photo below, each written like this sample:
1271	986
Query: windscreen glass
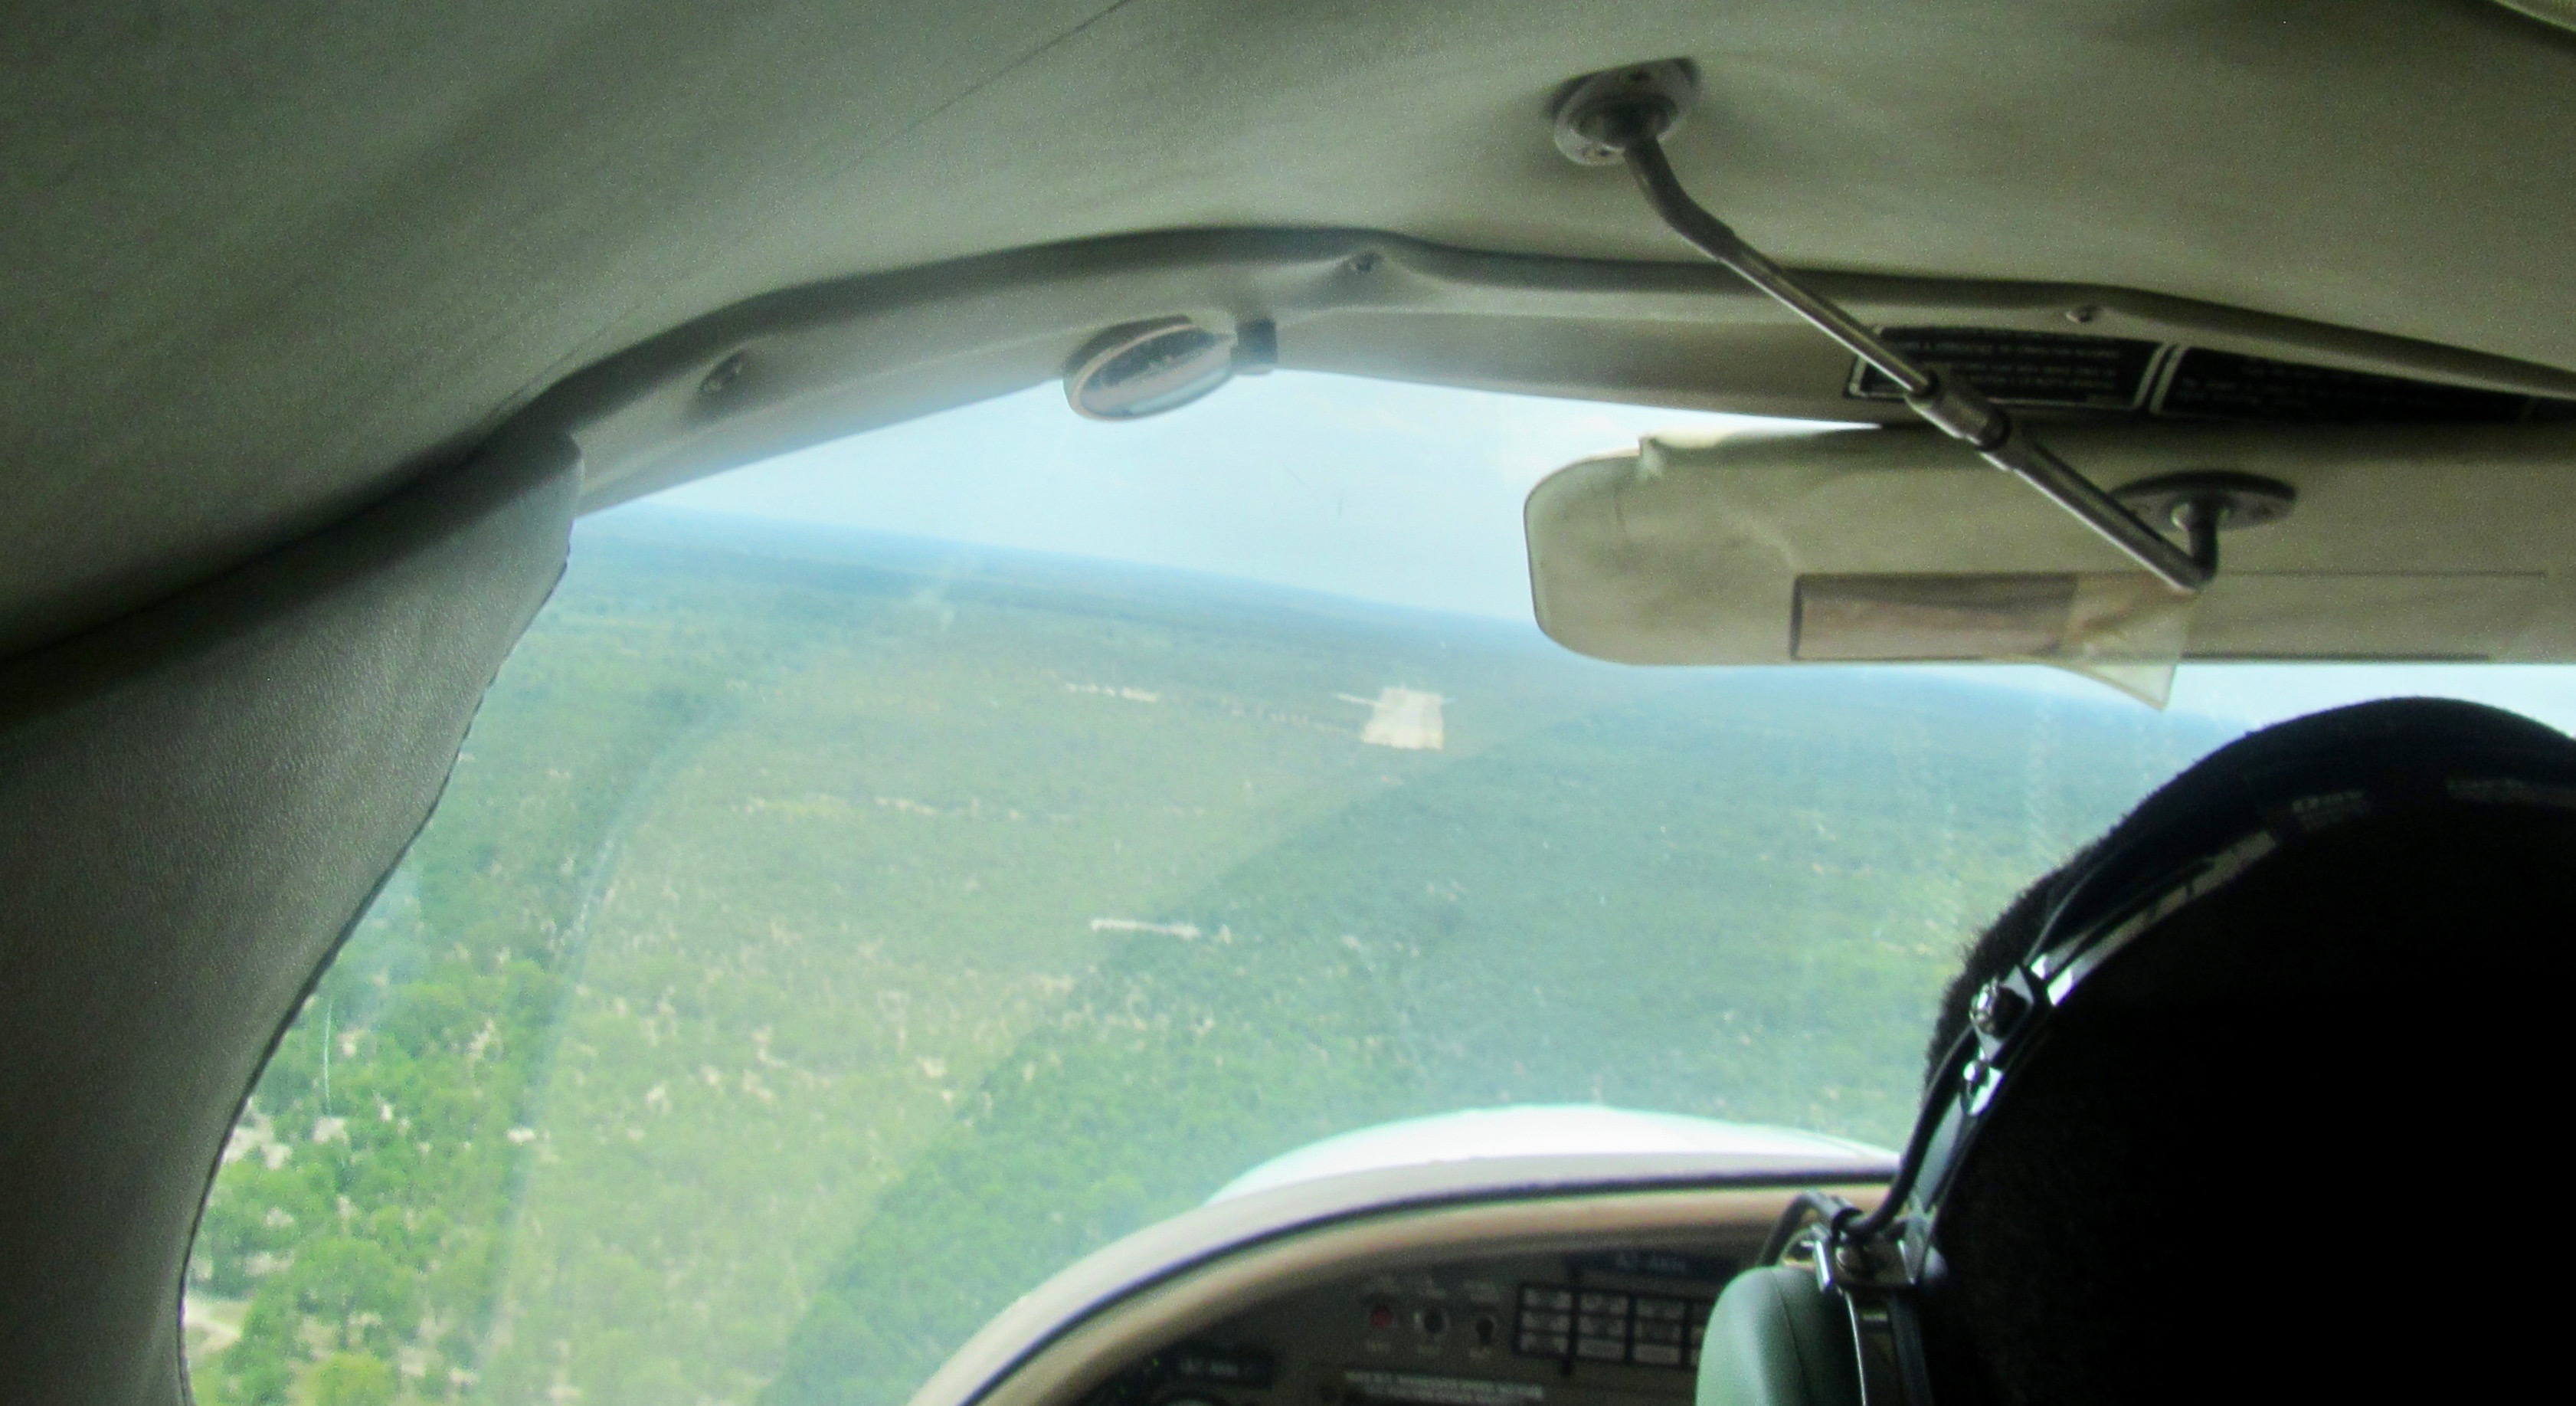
884	875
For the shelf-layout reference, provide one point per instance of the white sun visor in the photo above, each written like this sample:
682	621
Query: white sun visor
2402	543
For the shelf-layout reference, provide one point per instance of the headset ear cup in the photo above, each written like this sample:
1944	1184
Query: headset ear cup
1775	1339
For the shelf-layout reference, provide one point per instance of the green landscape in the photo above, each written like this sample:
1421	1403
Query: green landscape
826	937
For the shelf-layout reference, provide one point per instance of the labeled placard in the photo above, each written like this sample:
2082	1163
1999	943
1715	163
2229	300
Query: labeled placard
1429	1389
2023	368
2216	385
2070	371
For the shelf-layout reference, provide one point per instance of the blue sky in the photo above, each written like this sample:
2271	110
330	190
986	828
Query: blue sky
1405	494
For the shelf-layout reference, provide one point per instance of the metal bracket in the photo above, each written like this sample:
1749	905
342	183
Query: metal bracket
1875	1278
2203	504
1670	86
1624	114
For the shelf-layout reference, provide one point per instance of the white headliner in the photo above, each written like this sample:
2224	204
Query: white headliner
267	262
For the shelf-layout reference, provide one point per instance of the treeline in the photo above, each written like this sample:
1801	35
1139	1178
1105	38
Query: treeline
364	1207
1631	908
1726	895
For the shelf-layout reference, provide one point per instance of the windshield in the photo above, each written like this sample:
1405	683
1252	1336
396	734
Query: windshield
883	875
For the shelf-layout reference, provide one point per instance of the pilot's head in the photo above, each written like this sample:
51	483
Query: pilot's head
2293	1143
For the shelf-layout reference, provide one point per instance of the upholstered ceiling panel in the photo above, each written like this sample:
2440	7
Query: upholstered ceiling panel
199	799
264	262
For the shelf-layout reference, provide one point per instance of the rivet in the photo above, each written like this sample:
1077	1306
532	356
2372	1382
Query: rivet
2083	314
1364	261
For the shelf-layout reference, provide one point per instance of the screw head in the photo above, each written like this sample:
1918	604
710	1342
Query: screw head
721	377
1996	1009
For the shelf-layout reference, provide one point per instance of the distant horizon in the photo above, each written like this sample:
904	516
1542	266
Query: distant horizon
971	554
1384	493
2277	691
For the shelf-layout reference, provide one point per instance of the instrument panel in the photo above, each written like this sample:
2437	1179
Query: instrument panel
1617	1327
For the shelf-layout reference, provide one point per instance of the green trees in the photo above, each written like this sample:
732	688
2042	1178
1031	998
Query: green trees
1736	899
364	1206
351	1379
810	955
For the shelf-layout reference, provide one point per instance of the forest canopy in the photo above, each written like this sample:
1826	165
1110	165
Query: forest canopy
826	937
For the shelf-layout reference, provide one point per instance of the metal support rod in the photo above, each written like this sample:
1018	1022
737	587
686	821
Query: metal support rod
1949	404
2200	519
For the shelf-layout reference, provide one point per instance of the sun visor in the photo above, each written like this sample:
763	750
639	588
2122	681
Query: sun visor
2413	543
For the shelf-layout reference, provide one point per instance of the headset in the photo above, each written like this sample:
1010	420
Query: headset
1834	1315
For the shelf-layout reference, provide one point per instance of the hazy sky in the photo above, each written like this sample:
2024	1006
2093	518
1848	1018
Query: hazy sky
1405	494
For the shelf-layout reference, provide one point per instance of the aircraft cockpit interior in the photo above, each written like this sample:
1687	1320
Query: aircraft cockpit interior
1317	703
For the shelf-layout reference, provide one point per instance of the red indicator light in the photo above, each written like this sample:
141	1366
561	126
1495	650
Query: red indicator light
1381	1318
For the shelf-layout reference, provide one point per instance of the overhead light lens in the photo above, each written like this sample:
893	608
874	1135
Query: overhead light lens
1147	368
